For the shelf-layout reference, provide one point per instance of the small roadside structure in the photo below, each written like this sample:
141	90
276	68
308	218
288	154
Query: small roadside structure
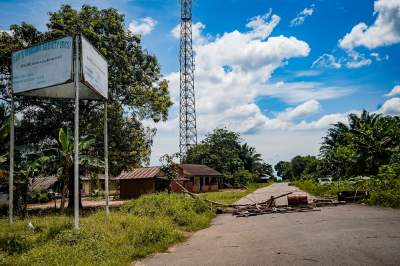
197	178
194	177
141	181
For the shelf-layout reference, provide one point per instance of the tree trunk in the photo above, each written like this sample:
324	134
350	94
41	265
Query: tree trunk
64	193
71	198
24	196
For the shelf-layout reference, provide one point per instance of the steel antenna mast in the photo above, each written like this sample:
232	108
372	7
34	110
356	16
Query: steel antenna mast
187	114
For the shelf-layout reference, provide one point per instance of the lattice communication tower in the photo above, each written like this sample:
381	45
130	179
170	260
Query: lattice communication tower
187	114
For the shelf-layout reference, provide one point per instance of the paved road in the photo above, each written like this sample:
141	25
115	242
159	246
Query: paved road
343	235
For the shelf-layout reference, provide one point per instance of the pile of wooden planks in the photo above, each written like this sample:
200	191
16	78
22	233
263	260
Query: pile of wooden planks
266	207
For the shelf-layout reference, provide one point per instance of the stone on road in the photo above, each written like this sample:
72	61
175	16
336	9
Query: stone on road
342	235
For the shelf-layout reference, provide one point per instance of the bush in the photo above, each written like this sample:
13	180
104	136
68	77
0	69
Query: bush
384	192
114	240
38	198
190	214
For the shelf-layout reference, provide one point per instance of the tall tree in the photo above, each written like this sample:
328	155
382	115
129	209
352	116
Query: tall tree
137	91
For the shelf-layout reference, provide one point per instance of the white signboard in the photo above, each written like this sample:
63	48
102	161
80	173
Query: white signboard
94	69
43	65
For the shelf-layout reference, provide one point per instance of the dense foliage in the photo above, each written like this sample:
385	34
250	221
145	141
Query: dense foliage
136	88
382	192
369	145
225	151
142	226
137	92
361	155
146	225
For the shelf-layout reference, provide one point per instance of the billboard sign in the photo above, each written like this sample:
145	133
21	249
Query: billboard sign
94	69
44	65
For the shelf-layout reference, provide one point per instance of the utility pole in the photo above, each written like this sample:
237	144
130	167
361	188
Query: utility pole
187	113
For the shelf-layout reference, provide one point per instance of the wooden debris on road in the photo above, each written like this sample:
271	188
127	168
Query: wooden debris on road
327	202
266	207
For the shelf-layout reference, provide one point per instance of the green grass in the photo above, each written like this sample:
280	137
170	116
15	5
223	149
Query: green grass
140	227
187	213
229	196
383	192
143	226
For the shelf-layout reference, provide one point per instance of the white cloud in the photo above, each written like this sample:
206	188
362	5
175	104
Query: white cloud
301	17
143	27
356	60
297	92
228	98
326	61
322	123
302	110
384	31
395	91
260	25
378	57
307	73
391	107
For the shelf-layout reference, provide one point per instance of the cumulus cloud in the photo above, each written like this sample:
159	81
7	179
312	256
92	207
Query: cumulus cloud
226	98
233	71
143	27
357	60
327	61
395	91
261	27
304	109
391	107
301	17
384	31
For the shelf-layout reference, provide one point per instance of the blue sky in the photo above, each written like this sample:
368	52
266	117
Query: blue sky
295	66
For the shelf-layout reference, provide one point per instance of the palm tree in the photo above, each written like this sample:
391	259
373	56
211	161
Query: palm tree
63	156
363	145
253	162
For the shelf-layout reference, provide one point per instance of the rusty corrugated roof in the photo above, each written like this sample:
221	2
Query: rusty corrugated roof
198	170
140	173
42	183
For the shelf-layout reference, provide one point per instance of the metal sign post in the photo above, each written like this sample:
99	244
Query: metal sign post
76	137
49	64
11	172
106	157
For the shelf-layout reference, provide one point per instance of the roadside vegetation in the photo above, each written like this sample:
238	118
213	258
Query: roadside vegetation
384	193
361	155
142	226
137	92
225	151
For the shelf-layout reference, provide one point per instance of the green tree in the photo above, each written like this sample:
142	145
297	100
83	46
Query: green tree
224	151
62	156
219	150
361	147
284	170
169	167
136	88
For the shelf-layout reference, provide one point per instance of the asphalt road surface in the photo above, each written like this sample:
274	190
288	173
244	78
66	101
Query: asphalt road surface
342	235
